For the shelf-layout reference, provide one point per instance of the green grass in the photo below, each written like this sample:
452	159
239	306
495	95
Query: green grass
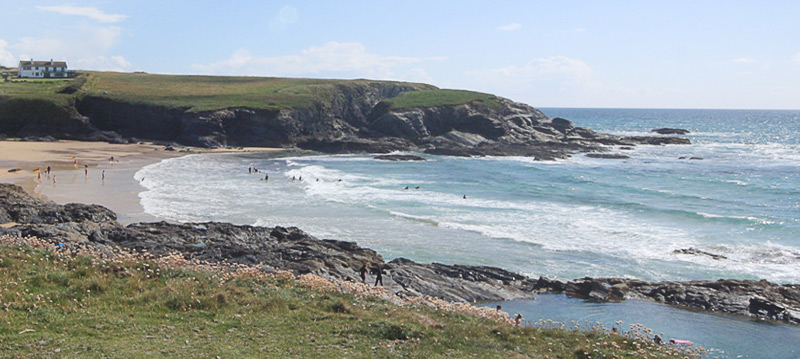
83	307
207	93
204	93
426	98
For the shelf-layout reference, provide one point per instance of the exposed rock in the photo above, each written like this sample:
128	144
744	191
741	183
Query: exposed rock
17	206
671	131
357	119
656	140
611	156
284	248
695	251
293	249
760	299
399	158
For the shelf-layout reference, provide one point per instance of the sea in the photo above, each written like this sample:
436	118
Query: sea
734	193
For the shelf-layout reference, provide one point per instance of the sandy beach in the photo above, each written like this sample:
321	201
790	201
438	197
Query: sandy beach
97	179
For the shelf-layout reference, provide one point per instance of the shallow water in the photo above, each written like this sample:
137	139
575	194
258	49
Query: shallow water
721	335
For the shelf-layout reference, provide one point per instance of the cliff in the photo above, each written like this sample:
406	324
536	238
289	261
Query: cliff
323	115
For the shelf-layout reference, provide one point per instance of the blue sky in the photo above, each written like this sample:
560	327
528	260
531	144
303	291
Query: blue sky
645	54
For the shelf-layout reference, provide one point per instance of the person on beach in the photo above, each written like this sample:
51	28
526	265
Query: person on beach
363	272
54	180
48	170
85	170
378	273
103	176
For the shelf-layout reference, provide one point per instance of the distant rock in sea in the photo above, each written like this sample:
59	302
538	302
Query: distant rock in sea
671	131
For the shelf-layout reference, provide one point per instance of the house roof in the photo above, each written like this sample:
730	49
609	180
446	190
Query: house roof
43	63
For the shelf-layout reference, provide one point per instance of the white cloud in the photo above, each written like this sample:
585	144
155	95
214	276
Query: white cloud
796	58
744	60
553	67
6	57
90	12
340	59
510	27
104	63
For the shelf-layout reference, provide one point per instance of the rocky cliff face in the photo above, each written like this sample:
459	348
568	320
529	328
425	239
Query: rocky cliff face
356	119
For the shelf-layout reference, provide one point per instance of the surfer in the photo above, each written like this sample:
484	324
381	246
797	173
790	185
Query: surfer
465	196
406	187
266	178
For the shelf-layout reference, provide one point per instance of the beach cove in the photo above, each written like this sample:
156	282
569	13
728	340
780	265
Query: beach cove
300	167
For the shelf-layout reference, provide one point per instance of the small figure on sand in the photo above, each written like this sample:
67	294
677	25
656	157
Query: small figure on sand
378	273
362	272
54	180
103	175
48	170
86	170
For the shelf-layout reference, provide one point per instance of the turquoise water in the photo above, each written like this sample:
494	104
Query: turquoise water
564	219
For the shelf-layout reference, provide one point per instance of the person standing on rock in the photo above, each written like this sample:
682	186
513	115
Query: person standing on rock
363	272
378	273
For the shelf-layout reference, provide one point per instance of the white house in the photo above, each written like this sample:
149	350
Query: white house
44	69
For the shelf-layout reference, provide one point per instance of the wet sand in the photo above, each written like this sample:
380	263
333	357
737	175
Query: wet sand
117	190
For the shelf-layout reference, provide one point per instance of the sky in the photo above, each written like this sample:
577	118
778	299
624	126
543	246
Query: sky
608	54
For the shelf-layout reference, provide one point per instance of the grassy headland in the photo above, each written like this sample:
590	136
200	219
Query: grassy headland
206	93
69	303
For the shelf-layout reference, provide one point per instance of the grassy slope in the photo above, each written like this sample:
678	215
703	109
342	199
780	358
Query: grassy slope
438	97
79	306
204	93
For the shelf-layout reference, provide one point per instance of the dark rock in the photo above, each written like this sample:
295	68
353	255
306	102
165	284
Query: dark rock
356	119
39	139
17	206
694	251
656	140
612	156
546	284
671	131
399	158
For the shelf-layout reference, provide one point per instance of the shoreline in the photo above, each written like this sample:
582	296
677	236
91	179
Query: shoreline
119	193
103	182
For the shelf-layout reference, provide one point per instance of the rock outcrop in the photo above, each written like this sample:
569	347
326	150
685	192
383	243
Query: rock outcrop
282	248
760	299
358	118
294	250
671	131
